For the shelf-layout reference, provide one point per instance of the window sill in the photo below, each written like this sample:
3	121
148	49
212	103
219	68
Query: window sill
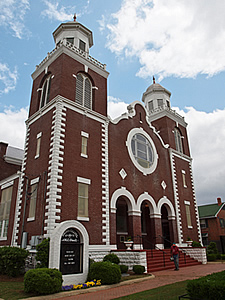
36	156
83	218
30	219
190	227
84	155
3	238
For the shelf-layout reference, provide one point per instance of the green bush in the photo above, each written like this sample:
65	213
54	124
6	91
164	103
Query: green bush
212	249
42	255
208	287
138	269
218	256
91	261
123	268
211	257
196	244
222	256
43	281
12	260
113	258
106	271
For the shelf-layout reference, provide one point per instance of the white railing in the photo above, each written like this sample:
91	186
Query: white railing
76	50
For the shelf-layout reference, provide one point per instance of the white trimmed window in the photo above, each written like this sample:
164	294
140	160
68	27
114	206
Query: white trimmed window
83	188
5	205
184	178
82	45
45	90
84	141
188	213
33	199
178	140
83	91
38	144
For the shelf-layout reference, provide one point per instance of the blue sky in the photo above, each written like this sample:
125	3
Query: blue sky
180	42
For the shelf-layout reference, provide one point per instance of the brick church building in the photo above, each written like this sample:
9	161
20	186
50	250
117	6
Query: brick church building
88	179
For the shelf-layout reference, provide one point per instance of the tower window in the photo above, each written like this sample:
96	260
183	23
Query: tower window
83	91
70	40
82	45
178	140
33	200
160	102
150	105
45	90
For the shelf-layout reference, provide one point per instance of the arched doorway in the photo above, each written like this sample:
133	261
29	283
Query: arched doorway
165	227
122	223
146	226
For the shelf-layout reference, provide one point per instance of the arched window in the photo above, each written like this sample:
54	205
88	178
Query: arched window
178	140
45	91
83	91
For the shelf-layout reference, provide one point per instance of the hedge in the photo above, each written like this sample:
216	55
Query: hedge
106	271
209	287
113	258
138	269
43	281
12	260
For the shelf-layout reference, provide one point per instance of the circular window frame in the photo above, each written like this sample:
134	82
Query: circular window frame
153	166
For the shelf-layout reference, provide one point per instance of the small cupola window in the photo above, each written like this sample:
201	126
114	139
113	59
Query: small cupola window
178	140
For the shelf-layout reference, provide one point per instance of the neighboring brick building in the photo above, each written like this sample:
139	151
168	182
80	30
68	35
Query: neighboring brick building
212	222
93	181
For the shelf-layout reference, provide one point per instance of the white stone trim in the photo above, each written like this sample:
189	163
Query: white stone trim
84	134
55	168
7	184
55	247
187	202
153	208
176	196
21	184
105	185
195	204
39	135
167	202
122	192
83	219
83	180
35	180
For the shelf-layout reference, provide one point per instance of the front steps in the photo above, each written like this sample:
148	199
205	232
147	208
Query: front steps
155	260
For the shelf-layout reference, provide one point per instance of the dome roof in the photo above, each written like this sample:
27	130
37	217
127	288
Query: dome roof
156	87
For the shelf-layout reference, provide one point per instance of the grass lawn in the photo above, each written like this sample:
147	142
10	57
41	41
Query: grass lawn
166	292
12	289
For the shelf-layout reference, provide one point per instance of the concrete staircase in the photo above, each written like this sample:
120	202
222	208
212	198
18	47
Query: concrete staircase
158	260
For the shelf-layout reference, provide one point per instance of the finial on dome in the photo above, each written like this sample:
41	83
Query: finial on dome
153	79
75	18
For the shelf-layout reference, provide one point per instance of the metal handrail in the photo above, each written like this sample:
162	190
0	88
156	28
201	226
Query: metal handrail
182	250
154	247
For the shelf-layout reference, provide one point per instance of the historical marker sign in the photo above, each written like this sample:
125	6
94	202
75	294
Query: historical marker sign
71	257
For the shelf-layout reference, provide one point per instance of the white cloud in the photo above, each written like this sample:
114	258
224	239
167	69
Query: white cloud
170	37
116	107
55	12
207	141
8	79
12	126
12	13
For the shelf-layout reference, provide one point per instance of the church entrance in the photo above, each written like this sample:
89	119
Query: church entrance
166	240
147	227
122	223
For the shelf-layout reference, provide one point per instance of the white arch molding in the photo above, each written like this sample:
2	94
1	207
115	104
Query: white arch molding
123	192
55	247
167	202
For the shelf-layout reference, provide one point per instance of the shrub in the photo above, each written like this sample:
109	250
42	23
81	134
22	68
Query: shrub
207	287
222	256
43	281
12	260
138	269
212	249
123	268
211	257
196	244
43	253
106	271
218	256
113	258
91	261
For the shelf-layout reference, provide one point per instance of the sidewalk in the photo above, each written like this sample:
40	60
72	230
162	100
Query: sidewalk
160	278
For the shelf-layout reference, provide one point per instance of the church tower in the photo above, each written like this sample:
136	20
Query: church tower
173	129
66	145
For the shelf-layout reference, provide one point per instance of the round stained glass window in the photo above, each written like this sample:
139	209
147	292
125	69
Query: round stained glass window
142	151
